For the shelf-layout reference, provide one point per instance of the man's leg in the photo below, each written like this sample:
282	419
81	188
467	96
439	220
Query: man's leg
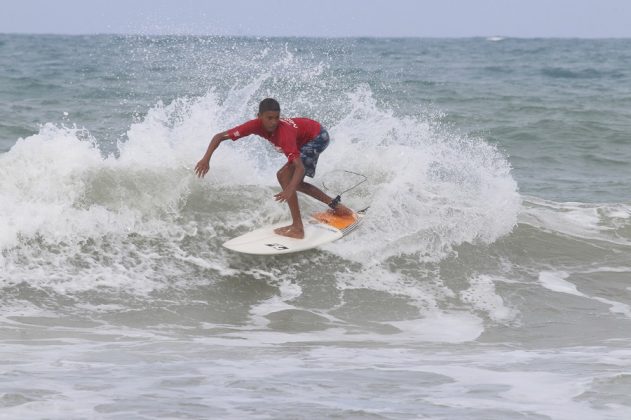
309	153
318	194
296	229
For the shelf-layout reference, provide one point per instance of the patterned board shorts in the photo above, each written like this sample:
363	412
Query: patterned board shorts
310	152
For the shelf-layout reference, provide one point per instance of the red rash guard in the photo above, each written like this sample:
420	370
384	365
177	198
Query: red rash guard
290	135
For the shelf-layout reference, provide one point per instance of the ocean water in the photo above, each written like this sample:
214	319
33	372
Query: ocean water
491	278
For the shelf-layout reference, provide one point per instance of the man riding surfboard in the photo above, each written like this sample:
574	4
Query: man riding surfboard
302	140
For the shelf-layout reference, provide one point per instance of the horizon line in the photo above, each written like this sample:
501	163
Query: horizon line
488	37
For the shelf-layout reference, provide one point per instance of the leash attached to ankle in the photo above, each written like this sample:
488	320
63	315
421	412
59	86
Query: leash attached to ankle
333	204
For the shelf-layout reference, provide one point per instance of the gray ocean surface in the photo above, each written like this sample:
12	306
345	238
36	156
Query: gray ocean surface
491	278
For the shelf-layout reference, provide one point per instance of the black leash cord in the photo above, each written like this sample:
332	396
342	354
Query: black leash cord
333	204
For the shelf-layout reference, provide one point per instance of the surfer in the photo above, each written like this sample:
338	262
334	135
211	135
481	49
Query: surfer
301	140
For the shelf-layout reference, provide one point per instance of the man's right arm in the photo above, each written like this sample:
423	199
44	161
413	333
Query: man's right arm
202	166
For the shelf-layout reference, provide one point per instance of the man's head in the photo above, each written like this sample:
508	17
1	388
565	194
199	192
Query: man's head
269	114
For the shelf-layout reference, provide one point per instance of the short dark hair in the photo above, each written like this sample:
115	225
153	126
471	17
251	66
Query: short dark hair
269	104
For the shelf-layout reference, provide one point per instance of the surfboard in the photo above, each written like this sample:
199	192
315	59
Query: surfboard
321	228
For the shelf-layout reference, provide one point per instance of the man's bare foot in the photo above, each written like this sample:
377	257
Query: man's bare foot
296	232
342	210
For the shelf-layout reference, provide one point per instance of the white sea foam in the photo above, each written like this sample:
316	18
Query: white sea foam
482	296
83	378
287	292
436	327
600	221
616	307
431	190
442	327
556	281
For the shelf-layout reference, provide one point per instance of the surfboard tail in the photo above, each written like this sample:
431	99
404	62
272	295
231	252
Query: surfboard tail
346	224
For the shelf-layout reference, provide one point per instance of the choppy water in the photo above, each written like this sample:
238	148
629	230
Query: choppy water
490	280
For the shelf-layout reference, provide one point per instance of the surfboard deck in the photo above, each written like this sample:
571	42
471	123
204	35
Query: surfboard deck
321	228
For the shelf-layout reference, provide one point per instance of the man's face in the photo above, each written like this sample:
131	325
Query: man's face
270	120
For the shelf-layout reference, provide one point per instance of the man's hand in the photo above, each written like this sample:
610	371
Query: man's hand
201	168
284	195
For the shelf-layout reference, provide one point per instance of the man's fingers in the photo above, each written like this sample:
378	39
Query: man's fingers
201	170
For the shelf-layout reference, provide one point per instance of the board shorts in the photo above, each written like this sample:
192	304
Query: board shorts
310	152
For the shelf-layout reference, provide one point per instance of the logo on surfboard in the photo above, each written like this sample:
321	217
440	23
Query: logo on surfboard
277	247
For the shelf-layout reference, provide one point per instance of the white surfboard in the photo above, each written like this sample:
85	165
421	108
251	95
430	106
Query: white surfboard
320	229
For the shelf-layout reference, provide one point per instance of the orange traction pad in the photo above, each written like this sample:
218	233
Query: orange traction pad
332	219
